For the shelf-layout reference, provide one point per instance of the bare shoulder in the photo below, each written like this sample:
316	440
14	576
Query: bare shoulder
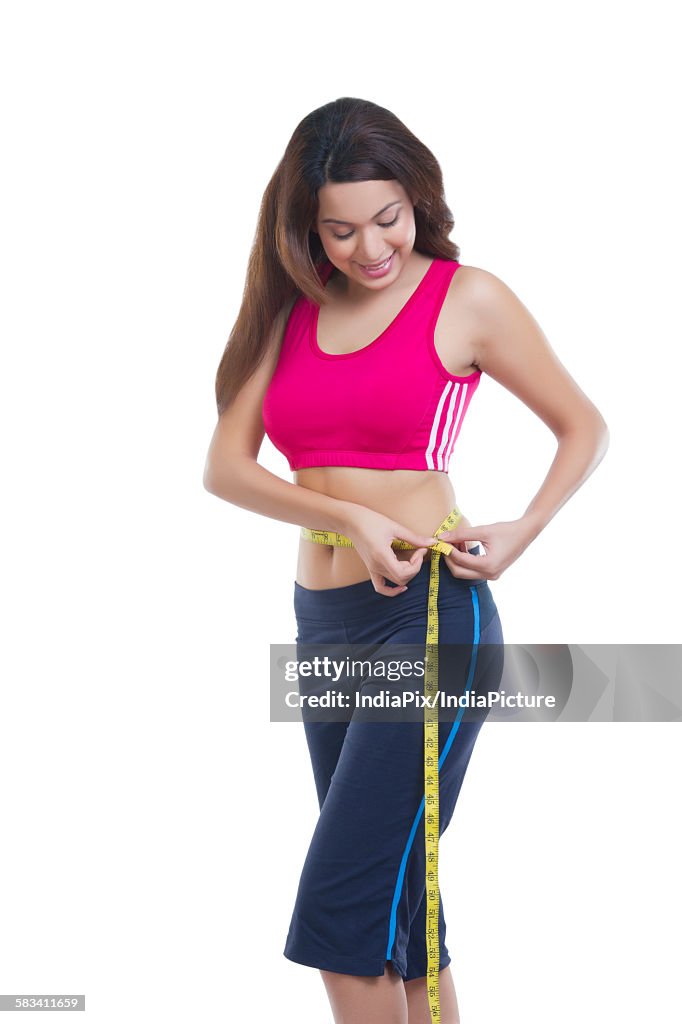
496	318
509	345
477	289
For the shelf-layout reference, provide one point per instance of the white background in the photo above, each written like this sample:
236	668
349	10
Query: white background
154	821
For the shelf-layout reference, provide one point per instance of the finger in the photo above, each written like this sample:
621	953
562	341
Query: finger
406	570
467	560
401	570
418	557
463	533
419	540
464	574
382	587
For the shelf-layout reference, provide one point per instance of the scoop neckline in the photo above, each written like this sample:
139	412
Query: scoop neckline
358	351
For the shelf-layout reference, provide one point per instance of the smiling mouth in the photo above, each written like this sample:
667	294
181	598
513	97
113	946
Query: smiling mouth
376	266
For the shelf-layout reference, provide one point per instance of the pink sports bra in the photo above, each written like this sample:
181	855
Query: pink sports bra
389	405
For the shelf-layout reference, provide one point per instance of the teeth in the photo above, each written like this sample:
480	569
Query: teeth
379	265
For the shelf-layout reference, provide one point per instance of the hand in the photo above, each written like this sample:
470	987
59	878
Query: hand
372	533
503	543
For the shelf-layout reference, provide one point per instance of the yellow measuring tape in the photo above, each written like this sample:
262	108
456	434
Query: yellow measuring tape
431	788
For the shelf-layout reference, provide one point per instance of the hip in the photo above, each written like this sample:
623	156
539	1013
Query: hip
356	613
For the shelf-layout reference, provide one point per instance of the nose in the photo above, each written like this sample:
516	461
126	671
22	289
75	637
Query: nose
377	245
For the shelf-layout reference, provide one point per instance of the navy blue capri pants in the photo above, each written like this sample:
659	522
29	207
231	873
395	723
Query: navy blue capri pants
361	898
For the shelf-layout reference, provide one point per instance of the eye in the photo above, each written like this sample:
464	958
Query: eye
390	224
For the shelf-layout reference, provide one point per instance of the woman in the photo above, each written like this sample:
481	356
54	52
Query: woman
359	345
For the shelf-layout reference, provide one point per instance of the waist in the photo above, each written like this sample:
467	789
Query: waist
359	599
418	500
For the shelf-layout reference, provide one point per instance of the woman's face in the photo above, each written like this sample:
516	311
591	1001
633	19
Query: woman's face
363	223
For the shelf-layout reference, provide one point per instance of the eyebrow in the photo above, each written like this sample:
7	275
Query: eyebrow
332	220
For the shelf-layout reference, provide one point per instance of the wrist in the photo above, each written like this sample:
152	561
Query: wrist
533	524
344	515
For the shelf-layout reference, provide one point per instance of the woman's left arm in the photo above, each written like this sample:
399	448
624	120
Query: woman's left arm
510	347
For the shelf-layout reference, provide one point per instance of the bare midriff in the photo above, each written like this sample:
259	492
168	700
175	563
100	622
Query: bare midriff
417	499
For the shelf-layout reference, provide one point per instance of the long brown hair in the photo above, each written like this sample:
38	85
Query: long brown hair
345	140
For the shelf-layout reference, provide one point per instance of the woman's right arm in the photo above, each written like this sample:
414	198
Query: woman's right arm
232	472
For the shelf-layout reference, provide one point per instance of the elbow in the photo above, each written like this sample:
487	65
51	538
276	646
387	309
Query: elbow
208	482
602	434
590	424
212	480
591	436
224	479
